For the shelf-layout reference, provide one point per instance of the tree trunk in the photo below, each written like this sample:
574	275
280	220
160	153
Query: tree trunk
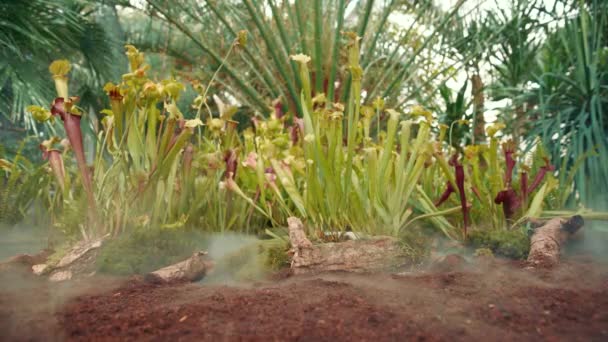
479	131
518	124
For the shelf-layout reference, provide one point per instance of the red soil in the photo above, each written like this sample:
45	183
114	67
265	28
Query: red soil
497	302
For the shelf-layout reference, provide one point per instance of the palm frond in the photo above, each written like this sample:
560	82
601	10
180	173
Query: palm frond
572	99
34	33
277	29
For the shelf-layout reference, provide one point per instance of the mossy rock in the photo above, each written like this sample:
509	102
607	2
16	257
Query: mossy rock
513	244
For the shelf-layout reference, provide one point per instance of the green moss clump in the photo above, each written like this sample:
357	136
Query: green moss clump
513	244
252	261
146	250
276	256
483	253
244	263
415	245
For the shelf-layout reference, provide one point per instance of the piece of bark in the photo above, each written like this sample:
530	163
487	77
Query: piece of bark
40	269
191	269
60	276
83	266
546	242
354	256
77	262
79	250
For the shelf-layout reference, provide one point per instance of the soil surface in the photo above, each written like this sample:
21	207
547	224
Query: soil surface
490	301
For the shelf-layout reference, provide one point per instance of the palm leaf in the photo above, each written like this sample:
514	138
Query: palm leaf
265	71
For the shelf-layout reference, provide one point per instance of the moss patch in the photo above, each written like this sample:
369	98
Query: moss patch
415	245
276	255
252	261
483	253
513	244
144	251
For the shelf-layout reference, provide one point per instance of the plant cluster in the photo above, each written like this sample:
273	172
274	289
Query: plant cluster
146	171
497	191
340	166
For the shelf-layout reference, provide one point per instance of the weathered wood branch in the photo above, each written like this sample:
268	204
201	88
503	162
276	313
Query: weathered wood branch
548	238
353	256
79	250
78	261
192	269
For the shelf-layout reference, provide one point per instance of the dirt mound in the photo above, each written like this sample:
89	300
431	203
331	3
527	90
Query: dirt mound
29	304
499	302
308	309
